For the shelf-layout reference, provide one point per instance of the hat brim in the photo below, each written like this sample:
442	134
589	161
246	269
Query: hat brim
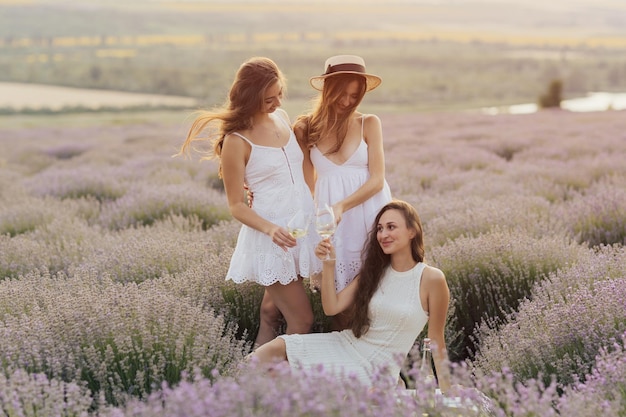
372	81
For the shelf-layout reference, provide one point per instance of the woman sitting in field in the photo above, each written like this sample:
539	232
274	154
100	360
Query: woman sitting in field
391	300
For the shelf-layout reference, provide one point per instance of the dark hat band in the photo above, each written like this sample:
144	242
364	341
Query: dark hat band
345	67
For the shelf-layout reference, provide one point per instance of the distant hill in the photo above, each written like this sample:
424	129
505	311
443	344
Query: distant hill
433	54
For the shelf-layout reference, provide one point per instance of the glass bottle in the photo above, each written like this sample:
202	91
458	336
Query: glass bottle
426	368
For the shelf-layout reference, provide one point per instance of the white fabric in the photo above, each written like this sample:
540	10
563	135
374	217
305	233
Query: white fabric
336	182
274	175
397	318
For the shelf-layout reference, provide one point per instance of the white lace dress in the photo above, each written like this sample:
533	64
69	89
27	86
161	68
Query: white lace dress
274	175
397	318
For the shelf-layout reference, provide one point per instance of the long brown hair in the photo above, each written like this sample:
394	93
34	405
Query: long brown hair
376	261
324	120
245	99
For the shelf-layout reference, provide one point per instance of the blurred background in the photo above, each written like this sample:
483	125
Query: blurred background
432	54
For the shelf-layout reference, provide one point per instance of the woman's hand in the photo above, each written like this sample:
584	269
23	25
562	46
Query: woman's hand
282	237
324	250
338	212
249	195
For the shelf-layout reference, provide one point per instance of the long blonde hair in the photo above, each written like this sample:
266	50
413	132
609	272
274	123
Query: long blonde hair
245	99
324	120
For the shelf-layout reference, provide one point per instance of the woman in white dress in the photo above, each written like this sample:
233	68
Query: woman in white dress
391	300
344	160
254	142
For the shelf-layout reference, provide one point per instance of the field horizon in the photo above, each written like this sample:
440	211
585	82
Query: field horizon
433	55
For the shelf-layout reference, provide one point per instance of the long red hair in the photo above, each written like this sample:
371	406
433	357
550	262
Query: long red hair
245	99
324	120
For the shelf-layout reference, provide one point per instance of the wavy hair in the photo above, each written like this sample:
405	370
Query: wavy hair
245	99
375	261
324	120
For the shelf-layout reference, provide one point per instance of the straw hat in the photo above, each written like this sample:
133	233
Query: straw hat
345	64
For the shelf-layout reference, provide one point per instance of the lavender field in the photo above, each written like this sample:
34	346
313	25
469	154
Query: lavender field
113	255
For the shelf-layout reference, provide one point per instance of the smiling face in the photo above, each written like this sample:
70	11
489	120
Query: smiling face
343	93
273	97
392	232
349	97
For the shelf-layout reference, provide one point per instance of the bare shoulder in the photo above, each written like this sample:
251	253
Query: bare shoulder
234	143
233	138
371	120
299	125
372	126
433	275
436	287
300	129
372	129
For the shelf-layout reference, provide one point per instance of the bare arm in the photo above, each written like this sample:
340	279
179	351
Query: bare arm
307	165
333	302
438	296
373	135
235	153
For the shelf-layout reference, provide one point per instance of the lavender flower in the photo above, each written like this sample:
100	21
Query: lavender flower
569	319
490	274
118	339
31	395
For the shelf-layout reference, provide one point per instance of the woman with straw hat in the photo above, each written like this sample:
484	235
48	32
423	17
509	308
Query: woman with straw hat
345	162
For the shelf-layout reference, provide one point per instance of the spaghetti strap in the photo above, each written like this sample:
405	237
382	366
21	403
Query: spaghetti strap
279	191
362	123
244	138
334	183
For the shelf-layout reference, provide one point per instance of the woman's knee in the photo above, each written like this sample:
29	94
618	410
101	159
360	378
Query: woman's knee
303	322
269	312
273	351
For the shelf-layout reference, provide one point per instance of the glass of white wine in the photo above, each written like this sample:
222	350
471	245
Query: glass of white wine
325	223
298	225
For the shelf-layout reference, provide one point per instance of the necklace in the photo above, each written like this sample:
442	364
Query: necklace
277	133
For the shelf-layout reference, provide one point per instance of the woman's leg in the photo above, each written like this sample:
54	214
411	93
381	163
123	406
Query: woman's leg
340	321
294	304
273	351
270	321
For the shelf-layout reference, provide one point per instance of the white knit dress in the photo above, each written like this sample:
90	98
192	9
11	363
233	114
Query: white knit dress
397	318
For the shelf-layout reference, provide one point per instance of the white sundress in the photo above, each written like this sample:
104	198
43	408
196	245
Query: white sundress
334	183
274	176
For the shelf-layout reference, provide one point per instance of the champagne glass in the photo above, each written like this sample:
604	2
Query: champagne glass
325	223
298	225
